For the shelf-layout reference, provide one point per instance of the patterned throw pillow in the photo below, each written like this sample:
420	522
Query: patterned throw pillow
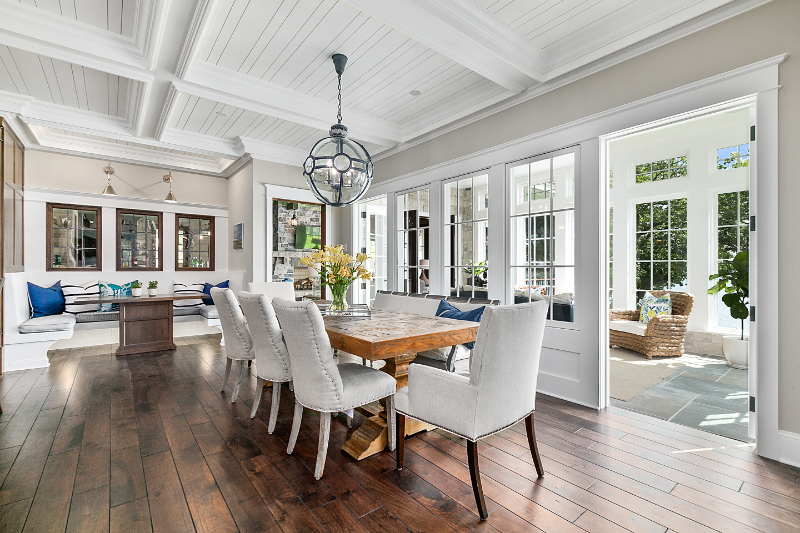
652	306
181	288
73	292
110	289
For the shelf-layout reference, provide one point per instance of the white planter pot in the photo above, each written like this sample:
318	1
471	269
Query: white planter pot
735	350
152	292
136	292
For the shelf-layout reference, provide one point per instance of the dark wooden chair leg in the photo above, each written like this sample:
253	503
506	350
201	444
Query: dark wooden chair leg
475	475
401	440
537	461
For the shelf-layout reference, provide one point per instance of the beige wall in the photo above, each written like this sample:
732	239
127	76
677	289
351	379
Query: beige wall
761	33
50	170
240	211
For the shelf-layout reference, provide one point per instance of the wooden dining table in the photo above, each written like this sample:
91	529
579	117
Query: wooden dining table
395	338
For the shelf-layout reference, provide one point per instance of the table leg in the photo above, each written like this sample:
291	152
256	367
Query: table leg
372	436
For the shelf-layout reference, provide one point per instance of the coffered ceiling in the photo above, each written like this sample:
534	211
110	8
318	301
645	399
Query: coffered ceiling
202	85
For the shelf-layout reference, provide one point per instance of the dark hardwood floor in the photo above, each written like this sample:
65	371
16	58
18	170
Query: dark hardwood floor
147	443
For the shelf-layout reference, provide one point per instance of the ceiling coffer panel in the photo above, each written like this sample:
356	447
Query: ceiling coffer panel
117	16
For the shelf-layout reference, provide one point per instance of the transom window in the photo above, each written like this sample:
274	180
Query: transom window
675	167
660	246
543	233
194	242
466	236
139	242
74	237
413	241
733	236
733	157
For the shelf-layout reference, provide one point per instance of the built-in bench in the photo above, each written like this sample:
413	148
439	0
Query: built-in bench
26	340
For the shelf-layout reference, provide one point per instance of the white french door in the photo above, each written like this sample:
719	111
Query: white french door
372	235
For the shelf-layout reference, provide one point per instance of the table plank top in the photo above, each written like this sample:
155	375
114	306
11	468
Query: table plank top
144	298
387	334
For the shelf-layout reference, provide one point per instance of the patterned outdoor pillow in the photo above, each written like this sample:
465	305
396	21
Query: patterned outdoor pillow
180	288
652	306
110	289
73	292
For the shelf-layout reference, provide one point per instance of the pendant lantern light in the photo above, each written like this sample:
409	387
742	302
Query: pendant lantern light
338	170
170	197
109	190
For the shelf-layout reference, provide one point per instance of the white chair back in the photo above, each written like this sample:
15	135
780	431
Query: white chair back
272	289
272	357
238	344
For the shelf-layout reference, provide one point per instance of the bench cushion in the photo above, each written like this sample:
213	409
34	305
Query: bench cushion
185	311
100	316
628	326
62	322
209	311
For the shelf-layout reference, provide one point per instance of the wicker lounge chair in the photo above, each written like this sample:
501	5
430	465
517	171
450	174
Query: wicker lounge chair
663	335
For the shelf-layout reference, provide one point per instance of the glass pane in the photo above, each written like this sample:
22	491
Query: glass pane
424	208
744	210
677	275
726	241
60	218
643	178
401	212
563	295
450	202
480	197
451	278
564	238
540	186
660	215
660	175
727	209
89	239
519	189
402	248
519	241
564	181
480	235
678	213
450	242
60	238
89	219
643	169
152	260
643	247
152	241
660	275
677	244
643	275
661	165
194	226
643	217
519	280
465	245
744	238
660	245
59	257
205	226
465	200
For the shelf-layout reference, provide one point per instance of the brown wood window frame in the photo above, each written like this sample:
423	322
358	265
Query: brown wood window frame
212	258
160	216
49	236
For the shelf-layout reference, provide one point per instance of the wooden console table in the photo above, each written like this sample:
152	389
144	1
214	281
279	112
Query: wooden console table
396	338
145	322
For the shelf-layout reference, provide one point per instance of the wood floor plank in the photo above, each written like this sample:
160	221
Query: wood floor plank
208	438
335	518
69	435
382	520
169	511
21	422
13	515
94	468
131	517
7	458
127	476
89	512
150	430
50	507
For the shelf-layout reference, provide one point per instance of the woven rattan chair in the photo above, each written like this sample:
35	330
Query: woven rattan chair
664	334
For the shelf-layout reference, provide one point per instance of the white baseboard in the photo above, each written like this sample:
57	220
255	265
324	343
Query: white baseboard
789	448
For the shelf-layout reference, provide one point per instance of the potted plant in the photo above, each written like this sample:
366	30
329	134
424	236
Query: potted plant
136	289
337	270
735	282
152	288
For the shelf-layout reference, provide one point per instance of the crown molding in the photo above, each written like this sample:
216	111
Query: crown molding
14	102
202	144
201	21
68	118
246	92
277	153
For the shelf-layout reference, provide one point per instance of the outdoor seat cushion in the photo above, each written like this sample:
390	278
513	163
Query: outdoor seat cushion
209	311
100	316
62	322
628	326
362	385
184	311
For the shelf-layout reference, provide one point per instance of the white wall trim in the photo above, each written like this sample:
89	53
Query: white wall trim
790	448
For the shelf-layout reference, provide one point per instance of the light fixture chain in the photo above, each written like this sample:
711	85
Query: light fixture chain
339	114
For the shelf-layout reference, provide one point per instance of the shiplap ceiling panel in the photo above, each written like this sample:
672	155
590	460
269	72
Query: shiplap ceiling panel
118	16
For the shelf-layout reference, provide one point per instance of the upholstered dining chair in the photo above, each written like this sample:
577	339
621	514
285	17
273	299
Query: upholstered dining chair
238	344
319	383
272	357
499	391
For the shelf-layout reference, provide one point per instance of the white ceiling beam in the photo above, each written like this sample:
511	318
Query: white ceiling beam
239	90
465	33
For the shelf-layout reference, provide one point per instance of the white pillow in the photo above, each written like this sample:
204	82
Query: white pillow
72	292
179	288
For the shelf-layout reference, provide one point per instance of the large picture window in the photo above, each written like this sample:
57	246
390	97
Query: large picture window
413	241
194	242
139	240
733	236
73	237
542	205
661	246
466	236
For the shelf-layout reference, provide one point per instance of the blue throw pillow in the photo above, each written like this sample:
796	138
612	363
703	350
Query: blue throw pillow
207	290
111	289
446	310
45	301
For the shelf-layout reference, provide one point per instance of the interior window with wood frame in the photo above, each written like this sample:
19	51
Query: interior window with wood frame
194	242
73	237
139	240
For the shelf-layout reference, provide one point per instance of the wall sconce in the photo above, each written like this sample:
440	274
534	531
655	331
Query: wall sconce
170	197
109	190
294	220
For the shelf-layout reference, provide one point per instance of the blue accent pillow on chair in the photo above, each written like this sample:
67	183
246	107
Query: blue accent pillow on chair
446	310
207	290
45	301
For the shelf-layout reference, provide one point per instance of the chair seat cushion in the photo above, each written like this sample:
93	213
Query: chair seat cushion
628	326
184	311
363	385
62	322
100	316
209	311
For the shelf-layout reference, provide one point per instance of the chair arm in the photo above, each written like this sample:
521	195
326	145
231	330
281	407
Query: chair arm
623	314
662	325
442	398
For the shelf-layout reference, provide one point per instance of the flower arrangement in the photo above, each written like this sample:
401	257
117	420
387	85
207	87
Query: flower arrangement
337	270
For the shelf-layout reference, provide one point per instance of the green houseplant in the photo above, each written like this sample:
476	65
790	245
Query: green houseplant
136	288
734	281
152	288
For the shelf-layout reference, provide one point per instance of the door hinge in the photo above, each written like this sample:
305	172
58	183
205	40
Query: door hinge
752	313
752	133
363	249
752	404
363	214
752	222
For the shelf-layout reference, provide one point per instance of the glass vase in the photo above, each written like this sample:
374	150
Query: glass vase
338	305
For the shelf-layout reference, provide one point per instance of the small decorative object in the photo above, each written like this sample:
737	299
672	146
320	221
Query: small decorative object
136	289
170	197
337	270
109	190
735	281
238	230
152	288
338	170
